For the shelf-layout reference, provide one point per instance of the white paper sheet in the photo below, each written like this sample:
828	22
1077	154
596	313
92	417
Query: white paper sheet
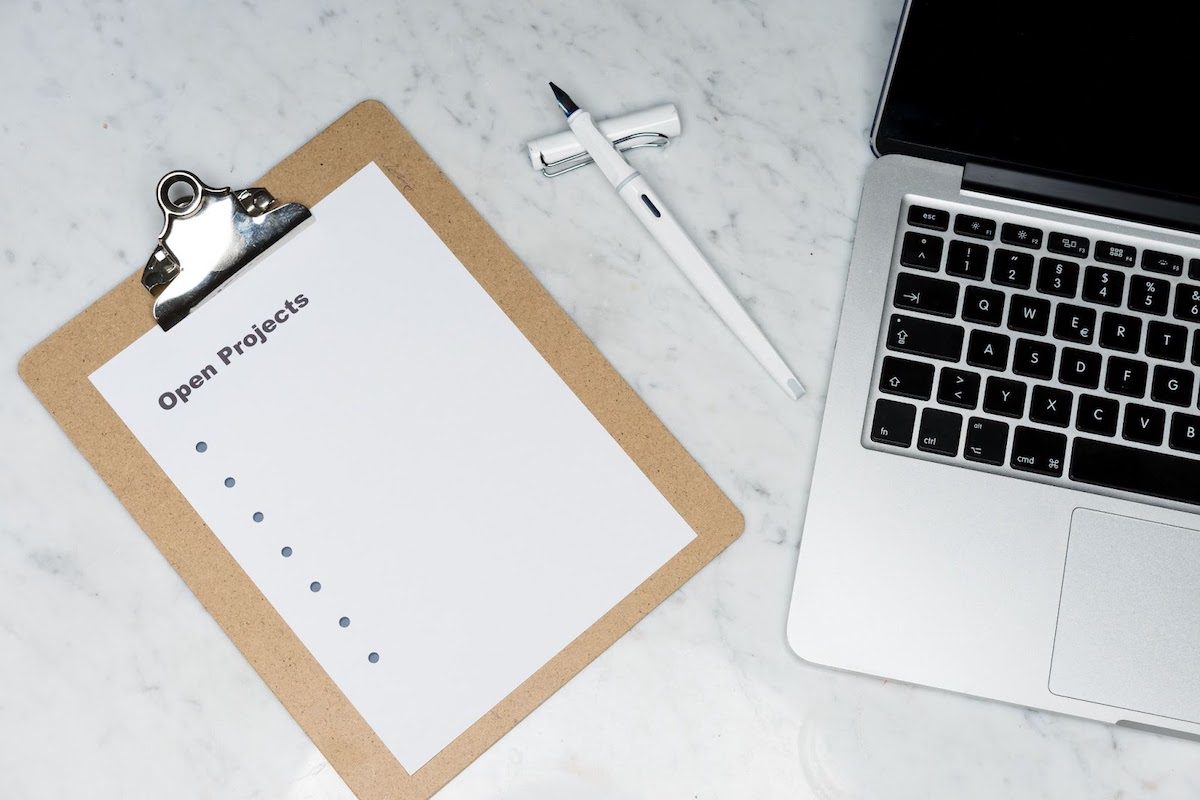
458	505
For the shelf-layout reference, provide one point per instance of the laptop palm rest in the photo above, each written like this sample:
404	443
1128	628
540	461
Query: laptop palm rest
1128	631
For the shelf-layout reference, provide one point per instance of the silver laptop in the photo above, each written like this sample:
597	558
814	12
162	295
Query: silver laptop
1007	487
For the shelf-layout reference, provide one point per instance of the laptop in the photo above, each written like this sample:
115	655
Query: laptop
1006	490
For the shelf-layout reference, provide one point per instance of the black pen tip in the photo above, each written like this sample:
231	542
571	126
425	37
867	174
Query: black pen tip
564	100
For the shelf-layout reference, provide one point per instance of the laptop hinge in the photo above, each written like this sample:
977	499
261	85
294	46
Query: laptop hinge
1064	193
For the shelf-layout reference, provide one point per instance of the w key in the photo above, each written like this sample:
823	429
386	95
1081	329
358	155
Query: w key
921	293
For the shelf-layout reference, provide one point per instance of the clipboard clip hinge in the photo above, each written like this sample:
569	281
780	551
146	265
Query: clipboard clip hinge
208	236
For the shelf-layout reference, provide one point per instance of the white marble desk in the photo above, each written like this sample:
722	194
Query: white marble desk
116	683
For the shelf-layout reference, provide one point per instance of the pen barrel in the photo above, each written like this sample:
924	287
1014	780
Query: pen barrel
670	235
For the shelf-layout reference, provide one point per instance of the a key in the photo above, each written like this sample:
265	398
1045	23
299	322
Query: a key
1120	254
1010	268
1079	368
1033	359
1066	244
1103	286
987	439
1021	235
1187	301
1038	451
1120	332
967	260
933	218
1057	277
1125	376
1074	323
939	432
1050	406
1166	341
893	423
922	293
978	227
1097	415
958	388
1150	295
1029	314
1004	397
1164	263
988	350
906	378
925	337
1185	433
1134	469
921	251
1144	424
983	306
1172	385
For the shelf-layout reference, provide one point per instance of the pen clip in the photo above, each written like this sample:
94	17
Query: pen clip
561	166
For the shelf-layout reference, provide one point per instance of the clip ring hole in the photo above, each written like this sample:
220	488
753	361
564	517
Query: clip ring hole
180	193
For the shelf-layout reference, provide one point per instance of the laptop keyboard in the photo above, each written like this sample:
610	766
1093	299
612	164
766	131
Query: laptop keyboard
1055	354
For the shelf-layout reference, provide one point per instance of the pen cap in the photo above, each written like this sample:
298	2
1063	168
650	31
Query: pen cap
650	126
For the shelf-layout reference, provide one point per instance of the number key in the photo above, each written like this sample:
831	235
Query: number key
967	260
1058	277
1010	268
1149	294
1104	286
1187	302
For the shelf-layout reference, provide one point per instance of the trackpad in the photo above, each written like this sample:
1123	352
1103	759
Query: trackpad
1129	618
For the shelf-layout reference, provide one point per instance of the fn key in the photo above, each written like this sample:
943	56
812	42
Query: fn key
893	423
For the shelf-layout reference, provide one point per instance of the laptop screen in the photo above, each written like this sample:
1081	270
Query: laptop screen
1103	92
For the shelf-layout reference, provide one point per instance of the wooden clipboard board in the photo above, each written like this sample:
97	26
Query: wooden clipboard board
58	370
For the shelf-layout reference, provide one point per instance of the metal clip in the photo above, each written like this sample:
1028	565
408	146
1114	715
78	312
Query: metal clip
561	166
209	235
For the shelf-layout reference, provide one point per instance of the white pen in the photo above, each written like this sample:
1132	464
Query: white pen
648	208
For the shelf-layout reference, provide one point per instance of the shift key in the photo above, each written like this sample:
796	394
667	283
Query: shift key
925	338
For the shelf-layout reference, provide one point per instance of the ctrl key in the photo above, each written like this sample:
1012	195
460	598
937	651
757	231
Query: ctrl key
893	423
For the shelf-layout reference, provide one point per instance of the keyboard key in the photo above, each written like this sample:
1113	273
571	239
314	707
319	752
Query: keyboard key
1021	235
1165	263
1150	295
1074	323
1187	302
940	432
1120	254
958	388
1144	424
1185	433
1125	376
925	337
1103	286
1029	314
978	227
907	378
1033	359
1133	469
967	260
921	251
1010	268
922	293
934	218
1038	451
1172	385
983	306
1097	415
1166	341
1066	244
1196	348
1120	332
1050	406
1194	269
1079	368
893	423
1004	397
1057	277
987	439
988	350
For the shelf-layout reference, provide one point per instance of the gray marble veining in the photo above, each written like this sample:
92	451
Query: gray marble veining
117	684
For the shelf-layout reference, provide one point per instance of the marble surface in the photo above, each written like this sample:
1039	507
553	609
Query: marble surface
116	683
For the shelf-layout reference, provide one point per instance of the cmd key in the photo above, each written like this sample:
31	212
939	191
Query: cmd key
1038	451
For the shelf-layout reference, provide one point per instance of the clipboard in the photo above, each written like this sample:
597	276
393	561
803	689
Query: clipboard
58	369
